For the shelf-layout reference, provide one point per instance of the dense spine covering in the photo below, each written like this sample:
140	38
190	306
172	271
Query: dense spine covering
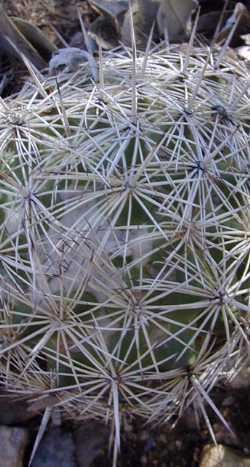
124	254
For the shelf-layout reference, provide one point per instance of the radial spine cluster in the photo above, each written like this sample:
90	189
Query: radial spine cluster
125	234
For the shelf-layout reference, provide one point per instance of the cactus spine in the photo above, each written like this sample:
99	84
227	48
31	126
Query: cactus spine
124	214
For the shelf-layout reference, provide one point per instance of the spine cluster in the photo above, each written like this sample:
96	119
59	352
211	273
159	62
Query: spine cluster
125	235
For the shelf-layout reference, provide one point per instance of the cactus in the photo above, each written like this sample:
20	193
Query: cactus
124	214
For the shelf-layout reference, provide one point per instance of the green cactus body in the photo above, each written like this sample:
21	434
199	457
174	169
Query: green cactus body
125	234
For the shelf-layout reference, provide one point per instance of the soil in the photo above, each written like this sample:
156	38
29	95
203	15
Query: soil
144	446
147	446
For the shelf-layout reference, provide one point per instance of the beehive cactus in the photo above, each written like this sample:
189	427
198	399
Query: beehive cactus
124	210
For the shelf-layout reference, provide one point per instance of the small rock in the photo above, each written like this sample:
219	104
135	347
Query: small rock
221	456
13	442
55	450
90	439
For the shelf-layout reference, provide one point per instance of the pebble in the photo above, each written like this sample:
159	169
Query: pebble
55	450
221	456
13	442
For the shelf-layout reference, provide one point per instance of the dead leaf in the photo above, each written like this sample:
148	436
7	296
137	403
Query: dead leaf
144	15
33	34
112	8
207	23
246	38
77	40
173	16
240	20
15	44
244	52
106	32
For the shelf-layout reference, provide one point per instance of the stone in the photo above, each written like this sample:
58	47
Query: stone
13	442
221	456
55	450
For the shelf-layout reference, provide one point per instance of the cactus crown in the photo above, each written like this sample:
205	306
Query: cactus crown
124	213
